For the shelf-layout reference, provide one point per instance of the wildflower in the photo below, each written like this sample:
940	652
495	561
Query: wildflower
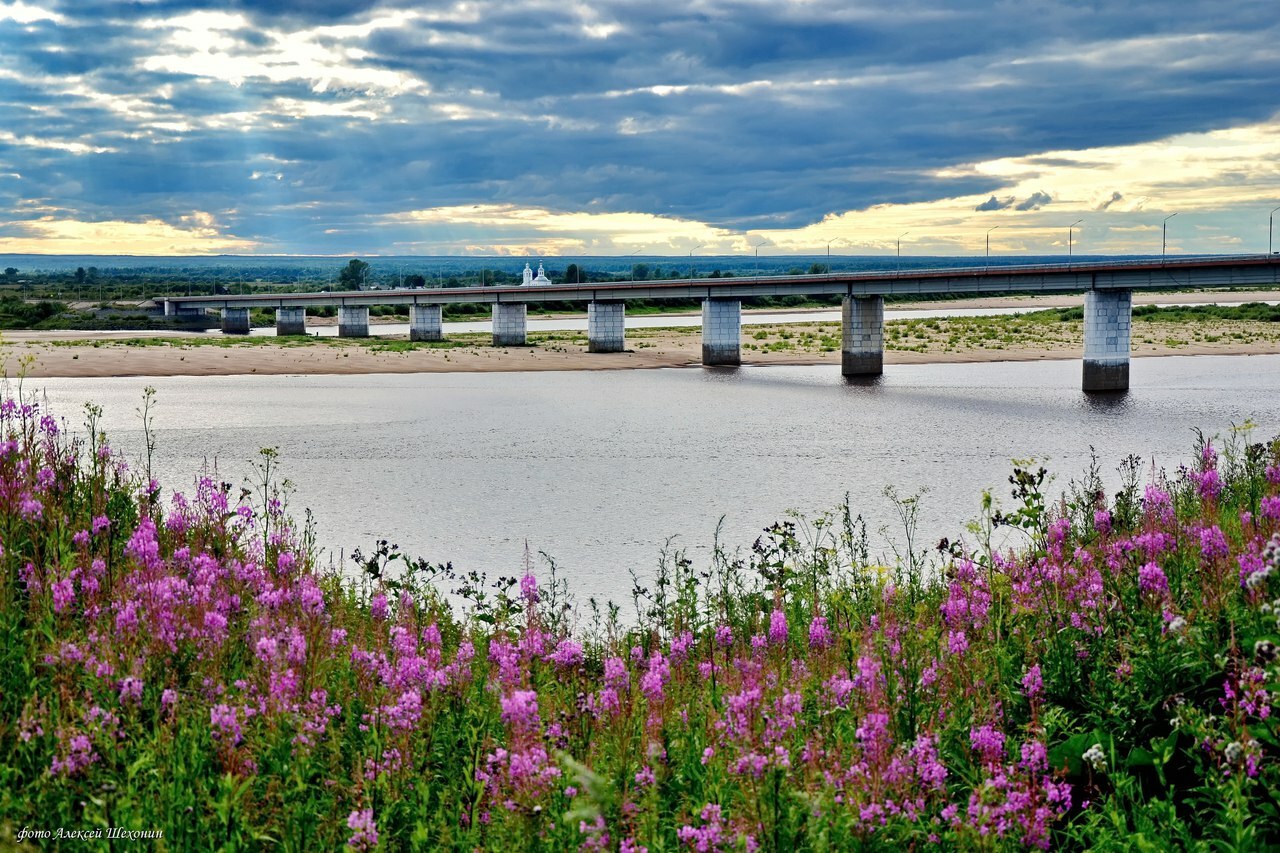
957	642
364	833
645	777
529	589
1095	758
520	709
819	634
988	742
777	627
1033	683
1102	521
1151	579
1232	752
724	636
567	654
378	606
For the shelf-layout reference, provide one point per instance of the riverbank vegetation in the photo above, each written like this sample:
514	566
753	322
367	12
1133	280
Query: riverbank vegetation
182	663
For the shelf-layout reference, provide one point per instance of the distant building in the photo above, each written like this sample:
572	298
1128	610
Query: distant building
529	278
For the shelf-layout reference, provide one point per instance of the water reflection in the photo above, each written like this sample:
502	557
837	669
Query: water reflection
599	468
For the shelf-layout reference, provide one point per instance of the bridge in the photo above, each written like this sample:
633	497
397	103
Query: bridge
1107	286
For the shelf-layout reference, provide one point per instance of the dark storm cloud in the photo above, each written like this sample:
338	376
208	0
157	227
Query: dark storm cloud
733	114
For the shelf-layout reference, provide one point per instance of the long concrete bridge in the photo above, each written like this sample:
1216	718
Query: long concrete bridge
1107	286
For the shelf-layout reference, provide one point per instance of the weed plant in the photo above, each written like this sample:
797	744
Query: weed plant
186	667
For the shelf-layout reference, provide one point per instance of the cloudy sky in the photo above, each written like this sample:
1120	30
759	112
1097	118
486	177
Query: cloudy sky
554	127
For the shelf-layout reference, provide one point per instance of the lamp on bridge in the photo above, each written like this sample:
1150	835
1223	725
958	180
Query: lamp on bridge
899	246
1270	220
989	230
766	240
1164	233
691	251
1070	229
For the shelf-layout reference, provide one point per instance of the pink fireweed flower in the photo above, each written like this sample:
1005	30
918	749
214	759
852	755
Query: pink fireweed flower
957	642
988	742
724	636
1213	543
364	832
645	777
820	636
567	654
130	690
680	646
1102	521
378	606
225	724
615	672
1032	683
778	627
520	710
529	589
79	755
655	678
64	595
1151	579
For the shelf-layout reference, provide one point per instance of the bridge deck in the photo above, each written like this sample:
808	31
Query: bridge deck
1211	272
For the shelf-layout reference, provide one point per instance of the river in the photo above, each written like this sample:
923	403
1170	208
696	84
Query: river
599	468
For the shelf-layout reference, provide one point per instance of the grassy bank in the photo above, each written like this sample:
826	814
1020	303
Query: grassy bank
185	667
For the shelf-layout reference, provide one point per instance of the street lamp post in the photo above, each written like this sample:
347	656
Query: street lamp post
899	244
1270	220
829	242
1070	229
757	248
989	230
1164	234
691	251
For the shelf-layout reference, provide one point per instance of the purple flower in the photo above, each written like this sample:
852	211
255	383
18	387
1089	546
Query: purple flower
1032	683
520	710
378	606
529	589
724	636
820	636
364	833
778	627
1151	579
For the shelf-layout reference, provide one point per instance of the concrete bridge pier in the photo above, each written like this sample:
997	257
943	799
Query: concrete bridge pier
721	332
291	321
862	336
510	324
425	323
1108	318
235	321
353	321
606	326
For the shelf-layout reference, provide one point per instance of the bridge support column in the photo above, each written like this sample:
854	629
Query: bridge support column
606	326
862	336
353	321
291	321
1108	315
510	324
235	321
721	332
425	323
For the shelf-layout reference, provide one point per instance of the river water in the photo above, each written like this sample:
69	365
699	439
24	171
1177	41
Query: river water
600	468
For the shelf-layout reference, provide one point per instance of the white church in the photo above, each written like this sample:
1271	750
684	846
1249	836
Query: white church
529	277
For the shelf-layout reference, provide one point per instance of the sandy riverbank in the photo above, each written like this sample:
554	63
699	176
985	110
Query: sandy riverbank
323	356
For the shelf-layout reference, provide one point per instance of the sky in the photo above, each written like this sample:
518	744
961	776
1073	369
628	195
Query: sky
533	128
